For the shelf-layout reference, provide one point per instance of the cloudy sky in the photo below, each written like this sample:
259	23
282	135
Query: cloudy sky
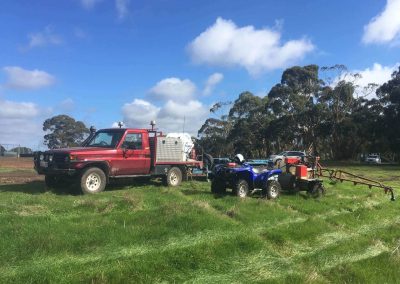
103	61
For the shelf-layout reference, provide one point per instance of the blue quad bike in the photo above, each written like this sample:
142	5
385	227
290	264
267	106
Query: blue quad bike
245	179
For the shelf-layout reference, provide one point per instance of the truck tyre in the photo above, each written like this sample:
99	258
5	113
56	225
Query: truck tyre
174	176
241	188
272	189
93	180
218	186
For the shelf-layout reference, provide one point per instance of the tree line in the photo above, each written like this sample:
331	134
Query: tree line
321	109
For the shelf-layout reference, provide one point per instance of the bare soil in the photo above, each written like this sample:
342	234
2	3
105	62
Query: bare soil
17	170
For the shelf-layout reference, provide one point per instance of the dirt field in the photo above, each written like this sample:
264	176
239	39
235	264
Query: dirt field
17	170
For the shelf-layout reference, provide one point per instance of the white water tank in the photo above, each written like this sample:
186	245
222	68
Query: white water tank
187	143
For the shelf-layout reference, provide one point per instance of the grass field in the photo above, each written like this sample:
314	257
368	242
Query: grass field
150	233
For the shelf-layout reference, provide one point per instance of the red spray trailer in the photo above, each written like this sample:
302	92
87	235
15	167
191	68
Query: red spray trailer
306	173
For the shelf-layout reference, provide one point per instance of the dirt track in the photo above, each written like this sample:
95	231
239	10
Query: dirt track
17	170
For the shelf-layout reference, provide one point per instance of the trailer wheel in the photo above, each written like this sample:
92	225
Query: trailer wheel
218	186
272	189
241	188
317	190
93	180
174	177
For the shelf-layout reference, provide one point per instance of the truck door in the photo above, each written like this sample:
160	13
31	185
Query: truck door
135	152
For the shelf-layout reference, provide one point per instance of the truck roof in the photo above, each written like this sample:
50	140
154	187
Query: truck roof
122	129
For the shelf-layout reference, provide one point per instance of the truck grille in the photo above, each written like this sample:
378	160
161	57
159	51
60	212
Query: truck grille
59	158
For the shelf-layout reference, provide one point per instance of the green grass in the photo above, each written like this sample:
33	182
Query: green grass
150	233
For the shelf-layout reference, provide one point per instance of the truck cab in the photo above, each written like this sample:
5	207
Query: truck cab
116	153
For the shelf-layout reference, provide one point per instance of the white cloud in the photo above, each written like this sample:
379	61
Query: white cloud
191	109
225	44
139	113
385	27
19	123
89	4
211	82
172	117
19	78
173	89
177	109
13	110
378	74
122	8
43	38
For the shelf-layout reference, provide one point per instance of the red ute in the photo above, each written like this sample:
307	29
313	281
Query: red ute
117	153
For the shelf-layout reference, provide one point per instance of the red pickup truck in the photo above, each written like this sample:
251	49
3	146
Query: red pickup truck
118	153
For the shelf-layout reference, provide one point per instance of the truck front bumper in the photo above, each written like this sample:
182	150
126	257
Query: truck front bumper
55	171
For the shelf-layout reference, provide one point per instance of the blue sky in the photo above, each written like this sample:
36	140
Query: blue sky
103	61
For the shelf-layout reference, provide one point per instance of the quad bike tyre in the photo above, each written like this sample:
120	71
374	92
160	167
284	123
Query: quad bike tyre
241	188
272	189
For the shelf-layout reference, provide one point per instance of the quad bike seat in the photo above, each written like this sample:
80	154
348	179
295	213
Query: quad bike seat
258	170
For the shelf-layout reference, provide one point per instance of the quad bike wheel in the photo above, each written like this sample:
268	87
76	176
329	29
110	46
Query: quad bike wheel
272	189
241	188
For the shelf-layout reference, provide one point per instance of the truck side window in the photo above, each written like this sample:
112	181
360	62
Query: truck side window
133	141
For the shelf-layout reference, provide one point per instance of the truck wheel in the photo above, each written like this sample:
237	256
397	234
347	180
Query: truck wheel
272	189
241	188
93	180
218	186
174	177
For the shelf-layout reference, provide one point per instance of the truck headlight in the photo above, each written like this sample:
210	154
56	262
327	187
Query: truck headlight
41	157
50	158
72	158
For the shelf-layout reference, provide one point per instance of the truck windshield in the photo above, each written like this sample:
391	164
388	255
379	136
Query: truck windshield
106	139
